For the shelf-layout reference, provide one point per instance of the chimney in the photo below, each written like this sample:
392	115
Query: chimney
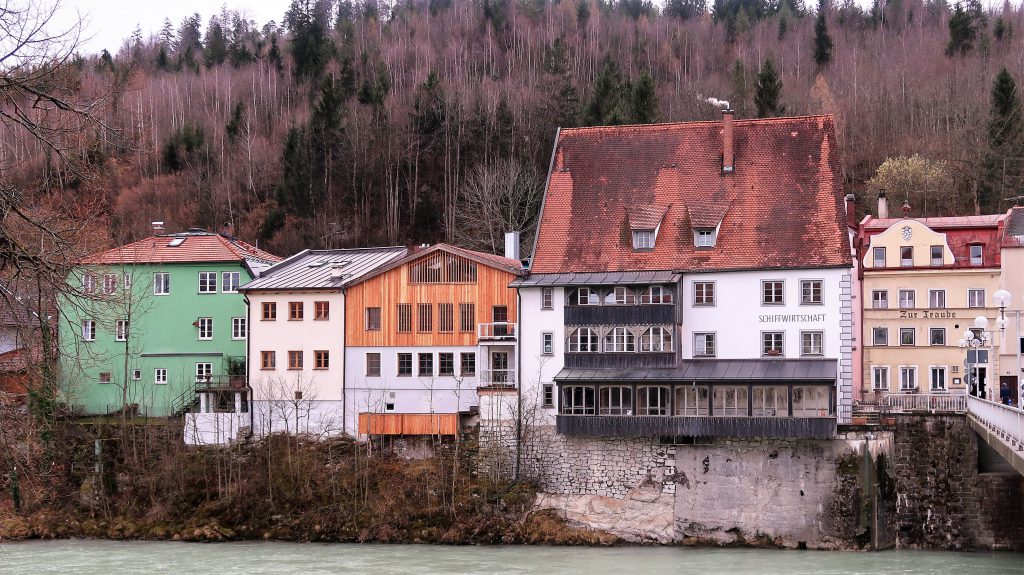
851	211
512	245
337	272
883	206
727	152
906	209
158	228
228	230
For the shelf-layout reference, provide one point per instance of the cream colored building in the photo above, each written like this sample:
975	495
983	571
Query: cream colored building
925	281
1010	361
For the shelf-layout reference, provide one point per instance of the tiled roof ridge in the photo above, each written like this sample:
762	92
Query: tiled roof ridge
485	255
696	123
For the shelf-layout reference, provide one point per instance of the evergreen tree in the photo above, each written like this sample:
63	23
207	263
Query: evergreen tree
311	46
740	88
295	191
215	44
963	27
783	26
274	54
607	105
686	9
644	101
769	89
822	41
1003	175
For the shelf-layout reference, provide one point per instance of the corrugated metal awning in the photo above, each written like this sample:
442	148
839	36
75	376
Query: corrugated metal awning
597	278
712	370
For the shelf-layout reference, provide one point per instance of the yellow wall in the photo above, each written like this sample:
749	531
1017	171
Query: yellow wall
922	238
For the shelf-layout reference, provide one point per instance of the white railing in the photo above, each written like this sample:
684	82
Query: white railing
497	330
933	402
497	377
1006	420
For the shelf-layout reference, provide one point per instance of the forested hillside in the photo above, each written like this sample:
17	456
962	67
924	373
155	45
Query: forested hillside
364	123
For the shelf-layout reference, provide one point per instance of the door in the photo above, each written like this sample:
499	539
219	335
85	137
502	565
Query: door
980	375
499	317
499	368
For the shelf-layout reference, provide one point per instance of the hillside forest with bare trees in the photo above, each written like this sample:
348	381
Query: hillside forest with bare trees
361	123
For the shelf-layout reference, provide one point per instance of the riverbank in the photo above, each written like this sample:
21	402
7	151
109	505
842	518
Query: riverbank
145	485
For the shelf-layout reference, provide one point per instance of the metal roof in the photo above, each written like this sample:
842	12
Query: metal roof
712	370
598	278
311	269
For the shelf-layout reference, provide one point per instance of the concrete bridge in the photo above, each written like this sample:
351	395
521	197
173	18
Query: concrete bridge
1001	426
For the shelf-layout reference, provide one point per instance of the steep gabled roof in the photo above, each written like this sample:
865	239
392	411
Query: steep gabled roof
185	247
783	207
312	269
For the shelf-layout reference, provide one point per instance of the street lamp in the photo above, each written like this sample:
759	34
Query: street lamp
972	342
1002	299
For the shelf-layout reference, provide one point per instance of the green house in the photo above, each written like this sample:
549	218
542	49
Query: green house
149	321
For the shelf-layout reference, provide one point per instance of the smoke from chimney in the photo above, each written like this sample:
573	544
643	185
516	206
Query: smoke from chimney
724	104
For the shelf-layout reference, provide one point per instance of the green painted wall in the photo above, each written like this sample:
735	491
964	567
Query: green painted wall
161	335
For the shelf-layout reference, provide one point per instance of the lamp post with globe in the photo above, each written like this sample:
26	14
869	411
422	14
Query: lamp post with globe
974	339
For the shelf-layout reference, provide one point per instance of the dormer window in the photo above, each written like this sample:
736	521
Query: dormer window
705	238
976	251
643	239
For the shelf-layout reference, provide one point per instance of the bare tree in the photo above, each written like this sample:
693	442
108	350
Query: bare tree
497	198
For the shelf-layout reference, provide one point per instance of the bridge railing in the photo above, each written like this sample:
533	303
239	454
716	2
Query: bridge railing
931	402
1006	420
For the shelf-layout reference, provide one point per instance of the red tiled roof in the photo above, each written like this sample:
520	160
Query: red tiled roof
782	207
196	247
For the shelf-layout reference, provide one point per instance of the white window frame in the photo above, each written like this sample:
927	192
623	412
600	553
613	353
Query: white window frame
160	376
912	301
205	325
88	283
980	260
89	330
903	370
931	377
875	252
619	340
592	296
971	300
876	370
780	292
136	374
643	239
110	284
932	330
232	279
121	330
803	292
932	293
547	298
912	330
705	238
803	343
700	344
547	343
657	339
655	295
941	260
700	292
782	343
875	300
207	282
903	260
576	341
879	329
204	370
128	285
161	283
236	323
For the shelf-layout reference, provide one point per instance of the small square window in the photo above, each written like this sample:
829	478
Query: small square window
906	256
321	359
704	345
705	238
772	343
230	282
207	282
446	364
467	363
703	293
295	311
373	364
321	310
880	299
269	311
975	298
268	360
908	299
547	298
811	292
937	298
880	336
425	365
405	364
295	359
812	343
160	376
908	336
937	255
643	239
136	374
373	319
161	283
937	336
772	292
105	377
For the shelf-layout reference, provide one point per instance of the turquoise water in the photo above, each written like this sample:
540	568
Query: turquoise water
84	557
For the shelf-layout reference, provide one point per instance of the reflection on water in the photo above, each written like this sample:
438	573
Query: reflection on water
253	558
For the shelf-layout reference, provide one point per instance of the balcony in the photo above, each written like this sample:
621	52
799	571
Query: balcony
220	383
497	377
697	426
926	402
496	332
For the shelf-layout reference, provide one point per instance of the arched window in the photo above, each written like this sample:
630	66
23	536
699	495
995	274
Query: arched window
621	295
656	339
583	340
620	339
585	296
656	294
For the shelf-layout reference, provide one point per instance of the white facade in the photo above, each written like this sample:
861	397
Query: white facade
537	369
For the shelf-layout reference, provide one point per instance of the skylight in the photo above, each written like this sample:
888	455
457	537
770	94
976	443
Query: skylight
176	242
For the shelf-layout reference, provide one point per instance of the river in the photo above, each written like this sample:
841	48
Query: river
87	557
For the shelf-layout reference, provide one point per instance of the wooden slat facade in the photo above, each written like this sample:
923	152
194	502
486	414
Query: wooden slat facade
408	423
393	287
